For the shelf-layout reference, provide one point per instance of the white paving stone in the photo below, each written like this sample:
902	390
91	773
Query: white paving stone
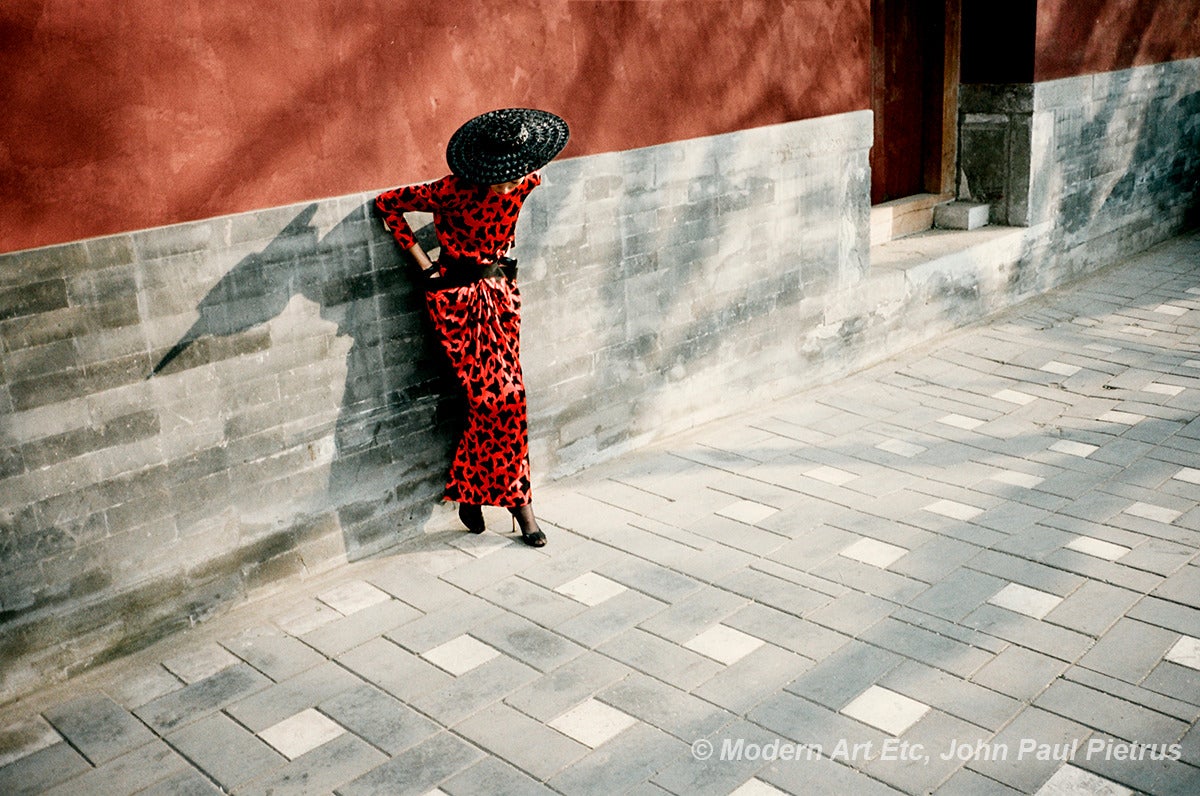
1171	309
1061	368
1072	781
1189	474
1192	363
1097	548
756	787
301	733
874	552
901	448
1124	418
478	545
1017	478
1073	448
1015	397
954	510
1186	652
1163	389
460	655
891	712
1151	512
831	475
591	589
1027	601
592	723
748	511
1138	331
353	596
961	421
1102	348
724	644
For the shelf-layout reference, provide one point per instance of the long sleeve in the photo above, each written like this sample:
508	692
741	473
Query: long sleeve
428	197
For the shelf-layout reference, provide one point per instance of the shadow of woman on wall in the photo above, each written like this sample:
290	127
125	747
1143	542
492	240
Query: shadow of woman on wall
377	466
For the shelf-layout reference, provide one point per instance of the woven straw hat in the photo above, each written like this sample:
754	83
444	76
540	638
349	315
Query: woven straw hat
506	144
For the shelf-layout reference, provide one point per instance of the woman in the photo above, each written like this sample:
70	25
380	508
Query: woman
473	301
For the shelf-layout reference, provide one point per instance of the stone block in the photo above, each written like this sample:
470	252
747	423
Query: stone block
98	727
961	215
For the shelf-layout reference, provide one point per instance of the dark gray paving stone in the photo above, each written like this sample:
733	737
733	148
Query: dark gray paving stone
599	623
953	695
926	646
966	782
396	671
1020	673
701	610
536	603
1147	775
1043	637
98	727
378	718
845	674
529	643
958	594
416	771
1129	650
554	693
827	732
42	770
628	760
753	679
659	658
1029	750
1093	608
473	691
493	776
348	632
524	742
186	783
779	593
322	770
201	698
128	773
274	653
931	756
852	613
225	751
725	770
1109	714
787	631
663	706
284	700
649	578
1179	682
449	621
1150	694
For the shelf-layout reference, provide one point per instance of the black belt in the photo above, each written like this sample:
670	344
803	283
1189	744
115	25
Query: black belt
463	271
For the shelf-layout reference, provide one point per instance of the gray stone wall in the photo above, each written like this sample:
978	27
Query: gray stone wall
189	414
1103	164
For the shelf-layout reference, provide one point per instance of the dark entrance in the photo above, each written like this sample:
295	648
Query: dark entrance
914	96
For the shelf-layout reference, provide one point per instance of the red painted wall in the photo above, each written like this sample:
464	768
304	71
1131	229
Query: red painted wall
128	114
1081	37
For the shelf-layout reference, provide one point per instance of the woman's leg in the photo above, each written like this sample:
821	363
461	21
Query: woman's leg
472	517
531	534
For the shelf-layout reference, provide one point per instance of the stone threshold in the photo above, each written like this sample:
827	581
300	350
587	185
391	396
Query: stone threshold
948	249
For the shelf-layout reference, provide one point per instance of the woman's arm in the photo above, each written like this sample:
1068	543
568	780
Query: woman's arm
394	204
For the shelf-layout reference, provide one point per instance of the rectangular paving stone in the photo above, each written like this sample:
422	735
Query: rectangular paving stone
953	695
393	669
842	676
701	610
720	774
526	743
322	770
189	782
378	718
275	654
600	623
42	770
937	734
670	709
1041	636
418	770
98	727
1129	650
225	751
752	679
199	699
1165	776
781	594
491	775
575	682
1108	714
129	773
1020	673
284	700
1093	608
659	658
473	691
1029	750
443	624
832	734
650	579
921	644
1182	705
787	631
852	613
625	762
336	637
956	595
536	603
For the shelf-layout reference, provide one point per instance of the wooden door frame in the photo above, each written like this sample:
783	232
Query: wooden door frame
940	144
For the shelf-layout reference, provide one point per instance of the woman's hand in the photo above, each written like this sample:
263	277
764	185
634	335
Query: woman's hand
428	269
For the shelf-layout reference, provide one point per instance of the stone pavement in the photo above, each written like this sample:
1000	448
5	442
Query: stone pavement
969	570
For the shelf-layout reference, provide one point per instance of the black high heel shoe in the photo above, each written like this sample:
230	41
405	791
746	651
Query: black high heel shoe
472	517
530	533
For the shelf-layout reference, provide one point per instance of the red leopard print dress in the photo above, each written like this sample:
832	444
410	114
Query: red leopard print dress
479	327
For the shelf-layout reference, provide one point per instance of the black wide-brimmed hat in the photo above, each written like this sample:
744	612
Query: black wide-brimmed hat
506	144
